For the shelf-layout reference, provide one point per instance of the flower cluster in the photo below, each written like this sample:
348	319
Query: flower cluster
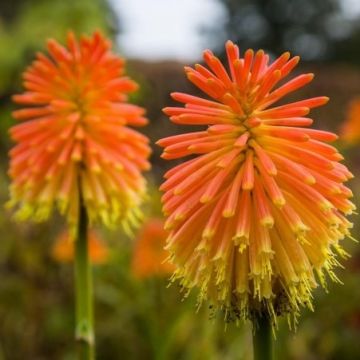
73	143
257	212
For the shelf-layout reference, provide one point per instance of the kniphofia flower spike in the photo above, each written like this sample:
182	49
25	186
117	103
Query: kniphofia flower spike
74	141
256	214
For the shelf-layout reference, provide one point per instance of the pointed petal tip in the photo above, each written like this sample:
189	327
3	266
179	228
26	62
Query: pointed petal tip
175	119
166	110
187	69
208	53
15	97
50	41
310	75
286	54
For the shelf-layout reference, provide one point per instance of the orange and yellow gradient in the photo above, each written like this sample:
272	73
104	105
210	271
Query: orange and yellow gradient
73	140
257	213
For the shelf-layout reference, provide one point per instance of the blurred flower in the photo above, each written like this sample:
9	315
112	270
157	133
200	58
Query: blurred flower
256	217
73	142
63	248
351	128
149	256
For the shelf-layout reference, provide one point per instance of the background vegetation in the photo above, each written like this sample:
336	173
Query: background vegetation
142	318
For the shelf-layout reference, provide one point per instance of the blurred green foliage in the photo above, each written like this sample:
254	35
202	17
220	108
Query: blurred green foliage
144	319
34	21
135	318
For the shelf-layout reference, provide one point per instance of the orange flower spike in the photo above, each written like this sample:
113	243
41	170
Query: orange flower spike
350	131
73	140
149	257
63	248
259	213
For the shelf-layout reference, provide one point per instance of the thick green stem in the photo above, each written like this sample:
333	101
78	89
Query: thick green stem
262	340
84	332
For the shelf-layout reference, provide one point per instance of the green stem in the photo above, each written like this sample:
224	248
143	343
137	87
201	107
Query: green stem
84	332
262	340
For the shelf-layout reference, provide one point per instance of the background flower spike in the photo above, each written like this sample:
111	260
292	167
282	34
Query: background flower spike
75	152
73	139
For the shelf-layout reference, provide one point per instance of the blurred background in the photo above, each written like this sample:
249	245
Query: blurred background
137	315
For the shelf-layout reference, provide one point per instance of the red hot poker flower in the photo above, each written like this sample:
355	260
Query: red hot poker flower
74	141
257	212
